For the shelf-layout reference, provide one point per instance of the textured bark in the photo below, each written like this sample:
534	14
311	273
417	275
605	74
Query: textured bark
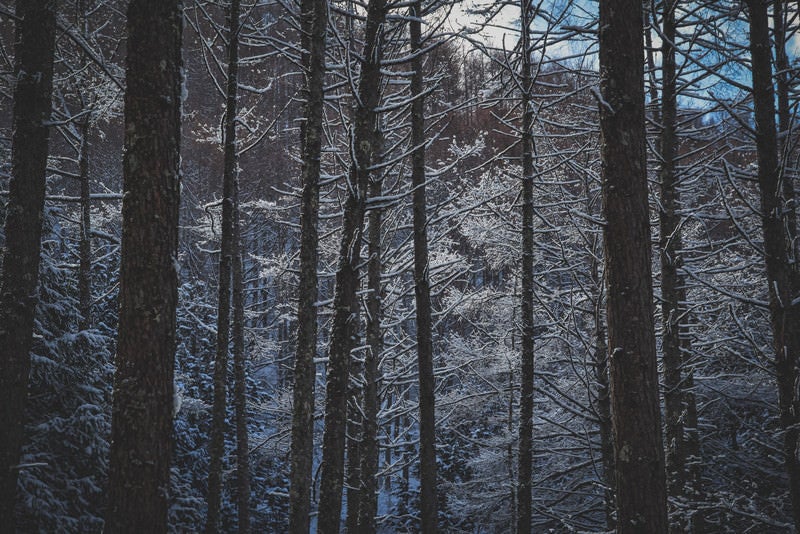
525	468
422	289
344	328
368	500
314	15
636	418
33	69
85	242
782	276
141	429
229	176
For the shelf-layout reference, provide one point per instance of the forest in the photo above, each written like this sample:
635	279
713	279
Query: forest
375	266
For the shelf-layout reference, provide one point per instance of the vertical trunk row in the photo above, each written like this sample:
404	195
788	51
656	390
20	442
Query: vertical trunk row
345	322
217	446
141	427
314	24
33	68
636	417
782	277
422	290
524	472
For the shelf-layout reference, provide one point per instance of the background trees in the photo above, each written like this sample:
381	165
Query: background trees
488	105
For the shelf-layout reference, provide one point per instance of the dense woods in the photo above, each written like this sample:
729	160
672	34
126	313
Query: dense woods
378	266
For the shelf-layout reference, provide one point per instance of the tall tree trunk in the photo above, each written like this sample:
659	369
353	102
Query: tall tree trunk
673	293
33	70
782	277
368	508
636	416
217	445
525	469
85	243
785	120
422	290
240	374
602	400
314	22
141	427
344	329
354	431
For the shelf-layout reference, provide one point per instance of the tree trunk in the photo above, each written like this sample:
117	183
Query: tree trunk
524	471
422	290
784	119
344	329
85	243
368	508
783	279
636	417
34	44
673	293
240	374
217	445
314	21
354	431
141	429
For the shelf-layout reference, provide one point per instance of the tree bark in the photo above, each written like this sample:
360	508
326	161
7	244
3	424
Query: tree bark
217	445
141	429
33	69
422	291
344	329
525	469
636	417
782	277
314	22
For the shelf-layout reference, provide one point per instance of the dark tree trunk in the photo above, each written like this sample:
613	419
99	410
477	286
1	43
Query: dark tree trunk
217	445
636	417
354	428
240	374
344	328
368	508
782	278
784	117
422	290
682	440
672	289
602	400
85	242
314	21
33	69
141	429
525	469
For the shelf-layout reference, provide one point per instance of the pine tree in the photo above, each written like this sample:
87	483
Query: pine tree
141	438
